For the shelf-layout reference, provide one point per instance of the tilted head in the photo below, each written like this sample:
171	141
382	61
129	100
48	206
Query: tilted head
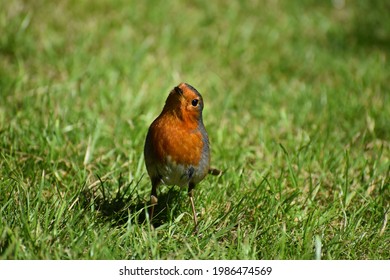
185	102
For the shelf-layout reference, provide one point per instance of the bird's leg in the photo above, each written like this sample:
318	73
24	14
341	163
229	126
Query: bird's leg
153	198
191	187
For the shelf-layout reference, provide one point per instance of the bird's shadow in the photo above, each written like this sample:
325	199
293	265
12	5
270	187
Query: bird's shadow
126	204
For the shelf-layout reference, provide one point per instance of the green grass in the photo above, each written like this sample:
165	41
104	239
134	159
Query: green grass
297	106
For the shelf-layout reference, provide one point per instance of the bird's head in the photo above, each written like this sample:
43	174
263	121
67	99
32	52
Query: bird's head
185	102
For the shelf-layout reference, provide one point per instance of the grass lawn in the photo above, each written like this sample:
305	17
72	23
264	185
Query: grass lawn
297	107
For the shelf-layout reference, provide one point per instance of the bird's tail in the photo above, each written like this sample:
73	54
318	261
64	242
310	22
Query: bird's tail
215	171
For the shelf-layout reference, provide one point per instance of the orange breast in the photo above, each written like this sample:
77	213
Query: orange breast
177	141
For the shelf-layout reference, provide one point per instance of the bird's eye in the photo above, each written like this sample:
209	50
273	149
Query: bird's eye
194	102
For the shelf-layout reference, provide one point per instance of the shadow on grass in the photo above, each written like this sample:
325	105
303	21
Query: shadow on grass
124	204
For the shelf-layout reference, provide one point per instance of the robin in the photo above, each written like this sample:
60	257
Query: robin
177	146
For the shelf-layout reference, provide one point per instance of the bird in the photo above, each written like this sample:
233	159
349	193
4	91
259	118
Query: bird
177	148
